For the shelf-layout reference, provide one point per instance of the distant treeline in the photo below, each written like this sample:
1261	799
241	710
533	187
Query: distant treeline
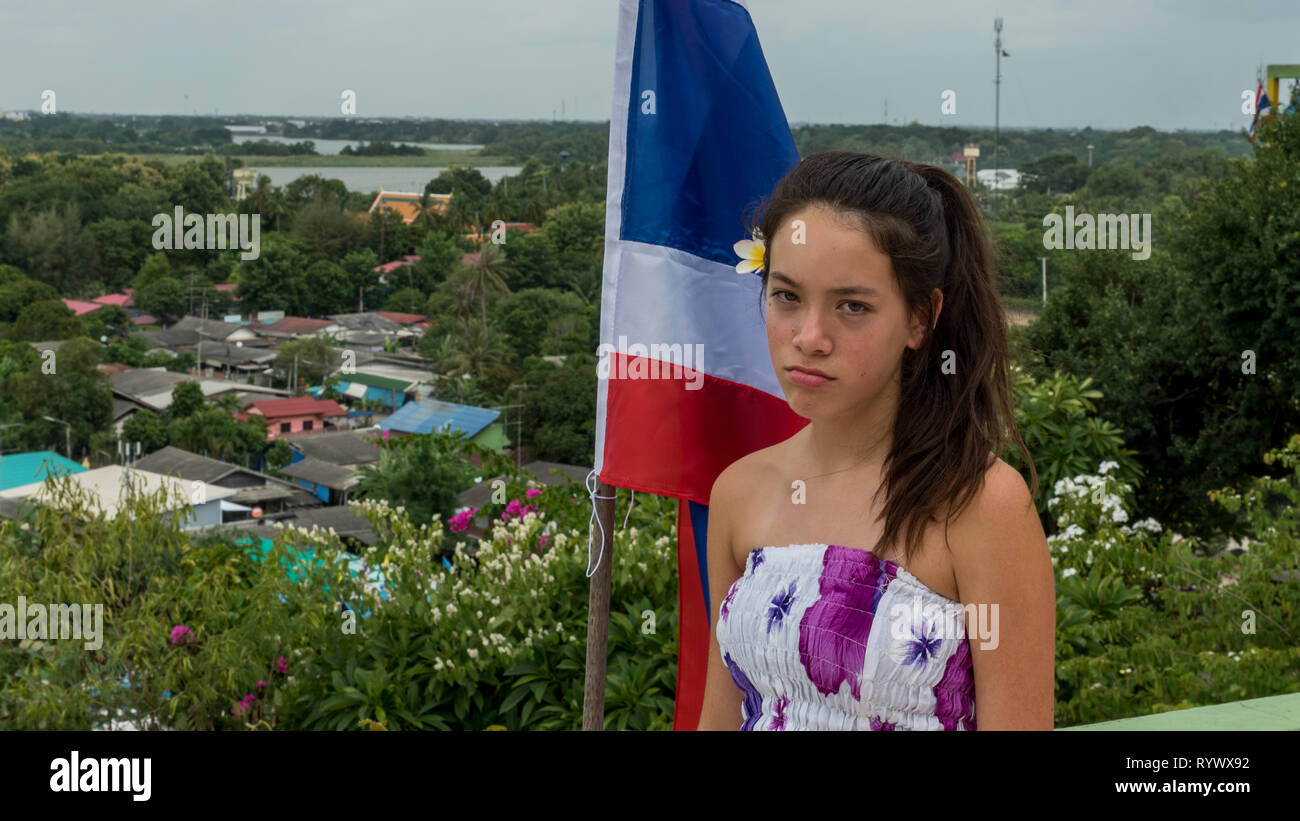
382	149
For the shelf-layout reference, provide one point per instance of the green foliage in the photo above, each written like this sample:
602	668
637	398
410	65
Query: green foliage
279	455
149	576
421	473
147	428
187	399
1148	620
45	321
1058	423
164	298
559	412
498	640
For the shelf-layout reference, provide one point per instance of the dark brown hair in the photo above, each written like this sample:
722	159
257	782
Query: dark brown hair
930	227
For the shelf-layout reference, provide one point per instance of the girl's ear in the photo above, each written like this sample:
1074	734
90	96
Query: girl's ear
925	316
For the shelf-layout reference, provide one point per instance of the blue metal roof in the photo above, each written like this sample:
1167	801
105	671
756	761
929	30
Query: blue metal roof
18	469
430	414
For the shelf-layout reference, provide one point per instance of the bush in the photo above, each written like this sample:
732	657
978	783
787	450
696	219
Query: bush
1149	621
499	639
239	617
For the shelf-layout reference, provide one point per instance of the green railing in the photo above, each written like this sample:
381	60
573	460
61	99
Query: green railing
1270	713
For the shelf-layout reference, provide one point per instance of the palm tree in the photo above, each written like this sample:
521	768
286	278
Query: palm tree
475	349
487	273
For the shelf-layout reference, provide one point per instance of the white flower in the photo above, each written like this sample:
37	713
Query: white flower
1106	467
472	653
1069	571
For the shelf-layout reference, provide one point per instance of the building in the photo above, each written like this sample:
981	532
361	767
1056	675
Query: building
251	488
215	330
152	388
107	489
18	469
1001	179
407	204
301	414
478	425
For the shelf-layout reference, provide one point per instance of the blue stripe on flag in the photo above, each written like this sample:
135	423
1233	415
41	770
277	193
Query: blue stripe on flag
716	139
700	529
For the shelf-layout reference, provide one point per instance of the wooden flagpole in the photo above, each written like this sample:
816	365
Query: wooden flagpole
602	546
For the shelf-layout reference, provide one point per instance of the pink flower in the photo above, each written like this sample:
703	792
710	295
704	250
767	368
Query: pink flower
282	664
531	492
181	634
544	540
260	684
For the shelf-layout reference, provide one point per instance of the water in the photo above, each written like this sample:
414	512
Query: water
336	146
372	178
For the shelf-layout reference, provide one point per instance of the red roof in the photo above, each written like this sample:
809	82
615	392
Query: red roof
400	318
120	299
80	307
297	406
144	319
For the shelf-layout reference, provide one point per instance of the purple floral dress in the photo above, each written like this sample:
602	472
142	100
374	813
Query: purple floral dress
826	637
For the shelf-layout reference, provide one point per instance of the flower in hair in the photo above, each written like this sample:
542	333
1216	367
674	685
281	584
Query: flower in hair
752	254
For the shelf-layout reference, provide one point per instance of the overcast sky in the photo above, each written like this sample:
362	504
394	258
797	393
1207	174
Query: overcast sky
1106	63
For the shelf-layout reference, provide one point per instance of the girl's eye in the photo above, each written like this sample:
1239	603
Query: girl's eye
865	309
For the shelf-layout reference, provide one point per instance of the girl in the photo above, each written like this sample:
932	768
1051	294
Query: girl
881	568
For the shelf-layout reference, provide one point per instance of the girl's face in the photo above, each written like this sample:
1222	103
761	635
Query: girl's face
833	306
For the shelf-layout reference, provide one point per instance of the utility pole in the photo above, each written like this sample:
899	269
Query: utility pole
997	107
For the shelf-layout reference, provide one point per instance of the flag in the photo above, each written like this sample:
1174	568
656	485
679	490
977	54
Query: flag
697	135
1262	109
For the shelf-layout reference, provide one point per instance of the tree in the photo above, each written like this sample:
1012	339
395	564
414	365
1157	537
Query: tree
424	473
279	456
273	281
54	248
47	320
326	289
312	356
487	274
109	321
526	316
438	254
147	428
18	294
327	231
559	410
405	300
155	268
163	298
187	399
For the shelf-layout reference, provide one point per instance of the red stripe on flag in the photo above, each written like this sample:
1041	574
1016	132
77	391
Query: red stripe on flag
662	438
692	627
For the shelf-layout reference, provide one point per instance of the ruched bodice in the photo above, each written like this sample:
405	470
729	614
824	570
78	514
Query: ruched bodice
827	637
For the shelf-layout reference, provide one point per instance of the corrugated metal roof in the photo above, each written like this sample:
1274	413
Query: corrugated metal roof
374	380
18	469
322	473
429	415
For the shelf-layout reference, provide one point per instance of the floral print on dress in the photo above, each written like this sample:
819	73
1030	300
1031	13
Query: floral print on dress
778	713
920	648
726	603
780	607
905	673
833	632
752	707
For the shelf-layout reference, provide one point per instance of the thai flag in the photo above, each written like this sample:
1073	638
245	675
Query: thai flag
1262	109
697	136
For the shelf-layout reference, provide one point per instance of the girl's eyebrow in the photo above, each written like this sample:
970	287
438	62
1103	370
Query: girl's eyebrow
846	289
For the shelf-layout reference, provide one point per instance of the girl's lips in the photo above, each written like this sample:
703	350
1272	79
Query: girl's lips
807	380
